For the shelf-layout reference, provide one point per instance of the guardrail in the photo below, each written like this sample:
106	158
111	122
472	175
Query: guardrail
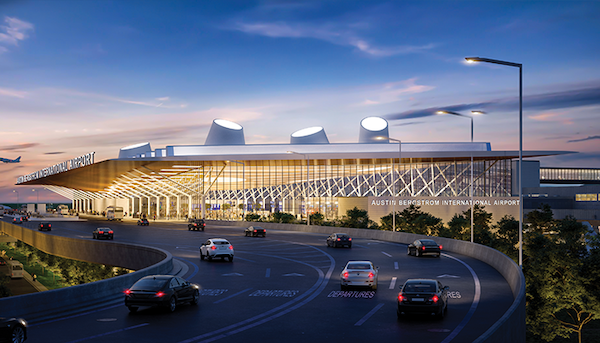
145	260
509	328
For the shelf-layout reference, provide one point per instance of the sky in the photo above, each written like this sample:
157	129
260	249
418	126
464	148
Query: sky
99	75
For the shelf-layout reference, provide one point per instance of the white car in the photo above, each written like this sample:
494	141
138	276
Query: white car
359	273
216	247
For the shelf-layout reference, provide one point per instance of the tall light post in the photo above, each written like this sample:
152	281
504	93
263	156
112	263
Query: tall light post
307	182
243	187
471	187
14	191
520	66
37	193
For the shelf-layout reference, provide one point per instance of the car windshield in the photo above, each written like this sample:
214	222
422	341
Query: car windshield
358	266
148	284
221	242
342	236
429	243
419	287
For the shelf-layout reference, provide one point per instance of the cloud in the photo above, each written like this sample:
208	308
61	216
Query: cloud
325	32
546	101
18	146
12	93
589	138
14	31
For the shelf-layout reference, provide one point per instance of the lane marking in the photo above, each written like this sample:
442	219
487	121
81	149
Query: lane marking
231	296
368	315
396	265
386	254
293	274
77	315
232	274
393	283
474	304
108	333
196	269
268	274
448	276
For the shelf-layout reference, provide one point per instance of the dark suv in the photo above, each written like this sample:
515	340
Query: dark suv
196	224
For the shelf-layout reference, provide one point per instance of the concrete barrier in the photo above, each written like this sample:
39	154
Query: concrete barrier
145	260
509	328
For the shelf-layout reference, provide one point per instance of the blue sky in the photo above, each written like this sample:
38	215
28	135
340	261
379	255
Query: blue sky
82	76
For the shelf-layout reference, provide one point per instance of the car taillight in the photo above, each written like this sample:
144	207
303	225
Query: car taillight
440	247
423	248
435	298
127	291
254	230
400	297
349	239
346	274
100	232
371	275
110	232
339	239
49	225
214	247
231	247
160	294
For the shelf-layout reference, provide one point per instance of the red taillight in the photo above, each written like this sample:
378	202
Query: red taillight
110	232
254	230
346	274
339	239
400	297
49	225
349	239
160	294
371	275
440	247
423	248
435	298
127	291
214	247
231	247
100	232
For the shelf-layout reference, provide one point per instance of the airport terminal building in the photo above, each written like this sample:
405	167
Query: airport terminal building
226	178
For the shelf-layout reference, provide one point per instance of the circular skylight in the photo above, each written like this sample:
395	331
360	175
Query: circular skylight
374	123
307	132
134	146
228	124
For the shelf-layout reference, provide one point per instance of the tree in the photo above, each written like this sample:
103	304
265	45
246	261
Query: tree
317	218
413	220
507	236
282	217
542	220
457	228
356	218
387	223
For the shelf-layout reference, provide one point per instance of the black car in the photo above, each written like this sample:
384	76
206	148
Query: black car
422	247
423	296
17	220
255	231
44	226
103	232
143	222
161	290
197	224
339	240
13	330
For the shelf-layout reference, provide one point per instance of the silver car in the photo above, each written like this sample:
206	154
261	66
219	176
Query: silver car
216	247
359	273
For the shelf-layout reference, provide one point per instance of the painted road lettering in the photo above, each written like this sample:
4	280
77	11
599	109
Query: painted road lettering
352	294
212	292
277	293
454	295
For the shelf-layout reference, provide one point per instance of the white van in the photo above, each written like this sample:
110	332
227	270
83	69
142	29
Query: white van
15	269
114	213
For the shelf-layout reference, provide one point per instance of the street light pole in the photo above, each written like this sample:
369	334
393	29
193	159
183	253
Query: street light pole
14	191
471	187
393	181
307	182
520	66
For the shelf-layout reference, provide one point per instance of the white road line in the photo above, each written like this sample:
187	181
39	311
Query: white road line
396	265
231	296
368	315
386	254
108	333
393	283
268	272
474	304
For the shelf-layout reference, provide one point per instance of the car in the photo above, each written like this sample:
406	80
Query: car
339	240
359	273
13	330
216	247
103	232
423	296
422	247
17	220
255	231
166	291
143	222
44	226
25	218
197	224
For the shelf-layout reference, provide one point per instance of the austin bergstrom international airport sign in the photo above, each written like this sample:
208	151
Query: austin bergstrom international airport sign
74	163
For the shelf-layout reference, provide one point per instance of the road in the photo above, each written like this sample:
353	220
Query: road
285	287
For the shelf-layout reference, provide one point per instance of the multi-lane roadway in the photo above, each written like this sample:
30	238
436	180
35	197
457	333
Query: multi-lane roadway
283	288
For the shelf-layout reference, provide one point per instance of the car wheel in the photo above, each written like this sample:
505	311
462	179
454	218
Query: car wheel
417	253
230	258
349	246
111	237
189	228
408	252
438	255
202	229
201	255
132	309
374	287
209	257
443	312
18	334
94	236
195	298
172	304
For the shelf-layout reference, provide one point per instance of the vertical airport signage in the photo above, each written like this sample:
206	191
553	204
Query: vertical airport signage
74	163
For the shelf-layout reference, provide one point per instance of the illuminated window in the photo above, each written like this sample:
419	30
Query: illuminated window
586	197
